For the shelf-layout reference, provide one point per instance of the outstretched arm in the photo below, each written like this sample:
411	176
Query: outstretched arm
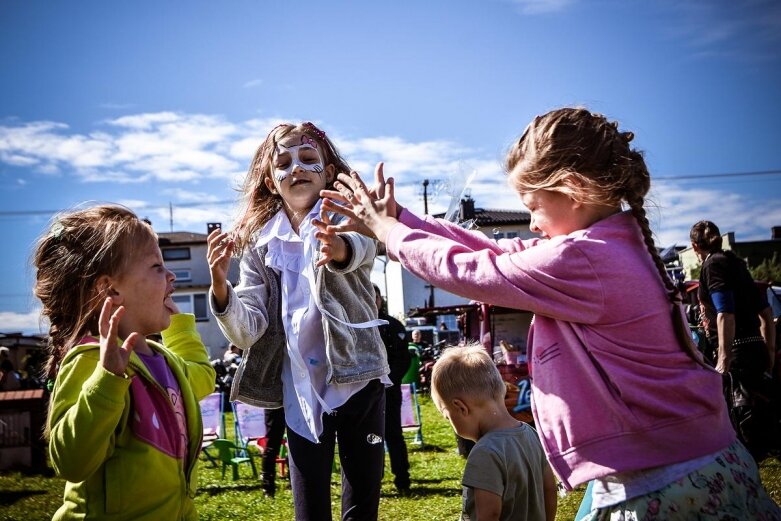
371	212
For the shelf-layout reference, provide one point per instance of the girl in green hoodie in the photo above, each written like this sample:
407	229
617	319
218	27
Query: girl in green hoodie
124	422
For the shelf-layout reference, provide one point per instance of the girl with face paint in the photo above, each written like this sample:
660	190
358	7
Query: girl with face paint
305	315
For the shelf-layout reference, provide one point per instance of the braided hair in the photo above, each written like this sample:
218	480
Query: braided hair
585	156
80	247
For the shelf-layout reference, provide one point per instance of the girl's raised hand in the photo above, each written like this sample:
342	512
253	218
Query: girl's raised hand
332	247
114	358
218	253
371	212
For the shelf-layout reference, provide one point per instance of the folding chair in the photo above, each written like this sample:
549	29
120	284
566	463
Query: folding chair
227	454
250	429
213	423
410	413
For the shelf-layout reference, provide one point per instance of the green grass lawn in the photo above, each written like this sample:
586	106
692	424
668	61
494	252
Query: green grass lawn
436	469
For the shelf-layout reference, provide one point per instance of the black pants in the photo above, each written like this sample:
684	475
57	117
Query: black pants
275	430
394	438
360	427
752	399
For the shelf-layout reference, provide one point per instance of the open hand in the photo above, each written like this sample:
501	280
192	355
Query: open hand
332	247
114	358
218	253
369	212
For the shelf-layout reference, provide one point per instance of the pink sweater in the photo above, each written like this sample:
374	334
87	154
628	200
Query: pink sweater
612	389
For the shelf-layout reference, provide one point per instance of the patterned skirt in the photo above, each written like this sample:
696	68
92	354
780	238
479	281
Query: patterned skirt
727	489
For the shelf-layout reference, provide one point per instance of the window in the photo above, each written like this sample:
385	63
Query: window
194	303
183	275
172	254
511	235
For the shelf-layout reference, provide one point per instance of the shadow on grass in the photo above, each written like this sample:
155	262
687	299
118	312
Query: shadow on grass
9	497
423	492
213	490
427	448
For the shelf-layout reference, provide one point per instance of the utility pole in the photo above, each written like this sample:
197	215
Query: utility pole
171	216
425	196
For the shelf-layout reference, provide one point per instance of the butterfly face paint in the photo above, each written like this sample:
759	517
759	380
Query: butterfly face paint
304	156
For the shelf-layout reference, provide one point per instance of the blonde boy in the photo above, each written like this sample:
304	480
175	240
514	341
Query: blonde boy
506	476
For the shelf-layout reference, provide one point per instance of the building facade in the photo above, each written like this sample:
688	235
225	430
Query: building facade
405	291
184	254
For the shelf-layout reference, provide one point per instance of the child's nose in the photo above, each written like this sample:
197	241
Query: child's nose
533	226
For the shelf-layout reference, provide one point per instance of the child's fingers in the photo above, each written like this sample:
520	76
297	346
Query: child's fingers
105	316
346	192
324	216
333	194
331	206
130	343
325	256
379	180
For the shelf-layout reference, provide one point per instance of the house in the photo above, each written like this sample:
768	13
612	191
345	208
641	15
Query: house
753	252
405	291
184	254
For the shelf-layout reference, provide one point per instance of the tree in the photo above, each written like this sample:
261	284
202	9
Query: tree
769	270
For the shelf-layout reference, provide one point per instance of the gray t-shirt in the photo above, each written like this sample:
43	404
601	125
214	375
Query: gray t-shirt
509	463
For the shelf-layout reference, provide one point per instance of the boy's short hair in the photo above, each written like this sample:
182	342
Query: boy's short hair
467	372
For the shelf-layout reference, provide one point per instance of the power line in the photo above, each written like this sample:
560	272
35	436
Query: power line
711	176
20	213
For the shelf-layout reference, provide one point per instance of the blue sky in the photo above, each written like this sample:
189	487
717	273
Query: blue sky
160	105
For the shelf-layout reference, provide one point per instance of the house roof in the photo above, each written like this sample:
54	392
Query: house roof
173	238
488	217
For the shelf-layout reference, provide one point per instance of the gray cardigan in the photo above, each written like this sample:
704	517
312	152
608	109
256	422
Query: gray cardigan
252	320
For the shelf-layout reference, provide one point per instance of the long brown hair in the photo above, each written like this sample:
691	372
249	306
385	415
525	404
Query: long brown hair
79	247
259	204
585	156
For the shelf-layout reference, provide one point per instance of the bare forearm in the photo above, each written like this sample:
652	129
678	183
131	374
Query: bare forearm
768	332
725	322
220	293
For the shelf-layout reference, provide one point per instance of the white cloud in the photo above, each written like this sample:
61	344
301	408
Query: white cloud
28	323
532	7
257	82
172	147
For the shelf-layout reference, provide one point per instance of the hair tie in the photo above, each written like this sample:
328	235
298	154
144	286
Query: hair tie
311	126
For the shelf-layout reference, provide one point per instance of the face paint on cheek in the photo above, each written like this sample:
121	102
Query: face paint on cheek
280	174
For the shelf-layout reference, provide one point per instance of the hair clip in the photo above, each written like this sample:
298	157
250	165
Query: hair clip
311	126
56	229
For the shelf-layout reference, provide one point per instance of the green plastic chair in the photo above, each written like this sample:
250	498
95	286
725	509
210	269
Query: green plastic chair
227	453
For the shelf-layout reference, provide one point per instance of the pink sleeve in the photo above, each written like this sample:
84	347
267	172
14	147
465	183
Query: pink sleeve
553	278
474	239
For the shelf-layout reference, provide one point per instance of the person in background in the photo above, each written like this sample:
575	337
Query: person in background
275	433
232	355
9	378
739	323
393	336
506	476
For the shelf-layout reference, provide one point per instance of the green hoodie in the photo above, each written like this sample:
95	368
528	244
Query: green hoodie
111	473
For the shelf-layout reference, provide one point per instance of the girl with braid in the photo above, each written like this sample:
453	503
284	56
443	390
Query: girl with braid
621	397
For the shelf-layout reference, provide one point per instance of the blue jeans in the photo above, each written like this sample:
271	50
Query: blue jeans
359	424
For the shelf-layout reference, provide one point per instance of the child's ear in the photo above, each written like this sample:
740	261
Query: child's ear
105	288
330	173
461	406
270	184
